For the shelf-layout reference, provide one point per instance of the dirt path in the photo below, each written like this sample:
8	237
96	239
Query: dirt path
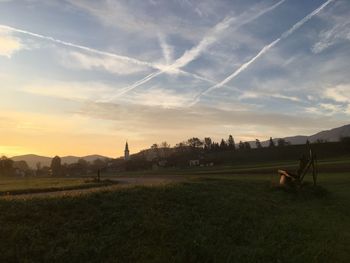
122	183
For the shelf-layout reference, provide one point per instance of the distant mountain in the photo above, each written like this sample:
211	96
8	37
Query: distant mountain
332	135
33	159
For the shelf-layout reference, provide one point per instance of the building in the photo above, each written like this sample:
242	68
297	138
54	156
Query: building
126	152
194	163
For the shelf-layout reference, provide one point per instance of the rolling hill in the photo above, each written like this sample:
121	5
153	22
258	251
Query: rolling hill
332	135
33	159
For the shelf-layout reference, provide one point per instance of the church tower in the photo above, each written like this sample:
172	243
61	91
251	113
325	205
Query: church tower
126	152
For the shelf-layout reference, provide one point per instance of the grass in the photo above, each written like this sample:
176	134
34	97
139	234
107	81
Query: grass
326	165
211	218
10	186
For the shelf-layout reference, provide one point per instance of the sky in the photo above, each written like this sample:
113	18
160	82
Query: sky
81	77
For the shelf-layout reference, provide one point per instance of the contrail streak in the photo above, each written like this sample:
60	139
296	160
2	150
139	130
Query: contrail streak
211	37
263	51
208	40
88	49
153	75
103	53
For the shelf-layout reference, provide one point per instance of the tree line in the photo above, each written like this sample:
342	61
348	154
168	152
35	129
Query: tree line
180	154
207	144
8	167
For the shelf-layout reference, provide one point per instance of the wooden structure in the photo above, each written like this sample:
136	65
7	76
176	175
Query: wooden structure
305	163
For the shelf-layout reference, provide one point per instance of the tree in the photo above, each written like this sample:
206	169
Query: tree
56	166
345	140
38	166
195	142
231	143
21	167
258	144
247	146
155	150
154	146
281	142
181	145
207	143
271	143
223	145
83	166
215	146
165	145
6	166
241	145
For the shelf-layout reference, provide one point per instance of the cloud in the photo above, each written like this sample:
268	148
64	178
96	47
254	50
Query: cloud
123	59
202	121
330	37
332	108
168	51
264	50
213	35
157	96
340	93
96	62
87	49
71	90
8	43
339	30
140	18
326	109
333	100
99	92
262	94
210	38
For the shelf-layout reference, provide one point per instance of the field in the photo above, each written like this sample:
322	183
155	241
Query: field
14	186
222	214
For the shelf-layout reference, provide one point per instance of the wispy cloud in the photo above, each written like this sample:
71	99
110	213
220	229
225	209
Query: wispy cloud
79	60
8	43
340	93
172	120
213	35
257	94
339	27
330	37
154	96
140	18
167	50
122	58
81	47
264	50
333	100
210	38
77	91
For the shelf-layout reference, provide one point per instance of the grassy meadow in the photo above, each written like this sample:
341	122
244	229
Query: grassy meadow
28	185
217	215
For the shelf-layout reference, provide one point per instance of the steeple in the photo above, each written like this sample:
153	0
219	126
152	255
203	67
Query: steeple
126	152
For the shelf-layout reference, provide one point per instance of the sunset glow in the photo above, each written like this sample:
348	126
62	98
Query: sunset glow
82	77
